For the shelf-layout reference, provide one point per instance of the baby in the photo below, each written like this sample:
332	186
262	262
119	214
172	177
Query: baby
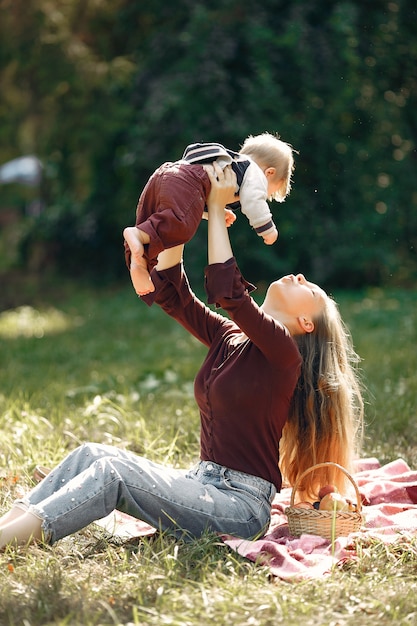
173	201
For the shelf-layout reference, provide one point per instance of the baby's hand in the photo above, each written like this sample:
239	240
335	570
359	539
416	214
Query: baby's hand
271	238
230	217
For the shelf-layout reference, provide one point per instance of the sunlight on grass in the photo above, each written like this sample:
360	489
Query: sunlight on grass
26	321
384	329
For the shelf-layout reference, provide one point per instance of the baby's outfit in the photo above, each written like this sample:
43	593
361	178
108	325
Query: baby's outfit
252	185
174	199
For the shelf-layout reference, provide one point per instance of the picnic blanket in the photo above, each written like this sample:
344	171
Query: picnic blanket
389	498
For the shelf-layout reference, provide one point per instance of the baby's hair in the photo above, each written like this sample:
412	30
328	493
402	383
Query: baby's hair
269	150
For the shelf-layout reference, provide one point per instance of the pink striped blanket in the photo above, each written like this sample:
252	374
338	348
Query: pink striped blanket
389	497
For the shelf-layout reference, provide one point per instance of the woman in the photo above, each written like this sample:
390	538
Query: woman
275	376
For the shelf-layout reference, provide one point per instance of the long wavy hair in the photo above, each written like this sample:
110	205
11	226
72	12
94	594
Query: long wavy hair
326	413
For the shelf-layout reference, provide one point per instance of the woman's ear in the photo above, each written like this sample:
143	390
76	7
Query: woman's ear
306	324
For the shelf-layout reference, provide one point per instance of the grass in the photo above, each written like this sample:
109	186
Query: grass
98	365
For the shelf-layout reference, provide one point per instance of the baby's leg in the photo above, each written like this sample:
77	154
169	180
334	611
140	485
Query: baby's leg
135	239
170	257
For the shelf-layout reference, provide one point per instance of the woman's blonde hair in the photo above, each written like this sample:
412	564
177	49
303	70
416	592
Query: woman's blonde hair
269	151
326	414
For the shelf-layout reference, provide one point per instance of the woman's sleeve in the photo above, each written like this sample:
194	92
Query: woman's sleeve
226	287
175	297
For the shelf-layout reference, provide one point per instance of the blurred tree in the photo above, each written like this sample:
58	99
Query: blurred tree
105	91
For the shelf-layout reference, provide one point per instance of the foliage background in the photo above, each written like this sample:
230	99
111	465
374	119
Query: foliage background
103	91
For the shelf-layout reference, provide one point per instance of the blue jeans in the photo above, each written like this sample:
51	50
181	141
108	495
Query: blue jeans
95	479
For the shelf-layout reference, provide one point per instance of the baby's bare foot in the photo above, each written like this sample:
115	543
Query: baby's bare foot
132	238
141	279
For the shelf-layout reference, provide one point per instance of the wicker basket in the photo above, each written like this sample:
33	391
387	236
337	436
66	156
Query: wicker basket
327	524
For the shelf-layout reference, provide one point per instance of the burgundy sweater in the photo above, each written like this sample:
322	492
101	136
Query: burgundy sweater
244	387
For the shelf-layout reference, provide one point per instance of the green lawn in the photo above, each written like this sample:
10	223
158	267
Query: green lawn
102	366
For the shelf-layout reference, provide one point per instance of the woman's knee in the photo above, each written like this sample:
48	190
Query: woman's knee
94	450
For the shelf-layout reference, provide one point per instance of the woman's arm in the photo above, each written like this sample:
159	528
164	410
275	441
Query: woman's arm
226	286
223	184
173	292
176	298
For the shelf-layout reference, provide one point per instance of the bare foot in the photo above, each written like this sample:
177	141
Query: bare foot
139	274
133	240
141	279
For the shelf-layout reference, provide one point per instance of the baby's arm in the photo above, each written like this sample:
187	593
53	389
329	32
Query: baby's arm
253	200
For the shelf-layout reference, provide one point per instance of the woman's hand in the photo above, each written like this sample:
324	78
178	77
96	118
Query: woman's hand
223	187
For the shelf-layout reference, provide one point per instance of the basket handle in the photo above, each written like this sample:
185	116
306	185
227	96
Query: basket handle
327	464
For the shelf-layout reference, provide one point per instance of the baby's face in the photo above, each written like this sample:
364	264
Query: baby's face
276	189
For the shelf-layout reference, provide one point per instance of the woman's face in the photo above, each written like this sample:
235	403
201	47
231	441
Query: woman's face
293	297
